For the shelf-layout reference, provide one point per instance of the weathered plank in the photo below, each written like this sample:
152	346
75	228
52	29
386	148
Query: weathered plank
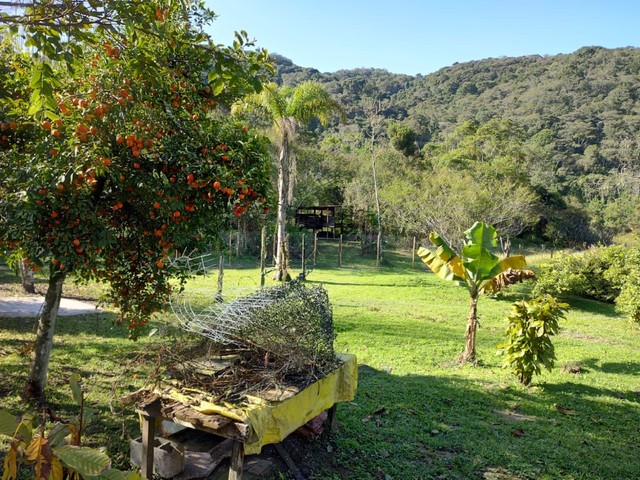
237	461
148	438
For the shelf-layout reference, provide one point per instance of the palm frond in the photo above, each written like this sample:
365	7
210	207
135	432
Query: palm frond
270	104
309	100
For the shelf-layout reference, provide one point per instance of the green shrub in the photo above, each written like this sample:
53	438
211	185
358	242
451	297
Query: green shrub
609	274
628	276
528	344
584	274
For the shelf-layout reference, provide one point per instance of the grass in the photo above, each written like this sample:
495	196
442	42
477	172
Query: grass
417	413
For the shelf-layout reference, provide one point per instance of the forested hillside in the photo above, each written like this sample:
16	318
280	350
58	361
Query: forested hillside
561	131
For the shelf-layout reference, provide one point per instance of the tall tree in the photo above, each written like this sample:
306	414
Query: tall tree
287	108
129	161
477	173
403	138
374	112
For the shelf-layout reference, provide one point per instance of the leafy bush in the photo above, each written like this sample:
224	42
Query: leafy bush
583	274
609	274
627	275
528	344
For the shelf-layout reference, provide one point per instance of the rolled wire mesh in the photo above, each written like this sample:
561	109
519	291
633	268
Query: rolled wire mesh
289	322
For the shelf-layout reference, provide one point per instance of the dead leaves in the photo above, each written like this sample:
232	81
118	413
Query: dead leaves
509	277
39	452
564	410
377	412
10	468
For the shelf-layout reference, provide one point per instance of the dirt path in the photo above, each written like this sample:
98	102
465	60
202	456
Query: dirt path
30	307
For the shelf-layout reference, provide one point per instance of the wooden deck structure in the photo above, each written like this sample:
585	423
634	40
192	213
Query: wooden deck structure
296	410
328	221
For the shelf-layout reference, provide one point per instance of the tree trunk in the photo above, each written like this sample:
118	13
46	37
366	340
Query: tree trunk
27	278
34	388
263	255
280	273
378	109
469	354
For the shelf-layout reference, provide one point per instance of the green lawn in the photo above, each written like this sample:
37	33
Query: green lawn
406	328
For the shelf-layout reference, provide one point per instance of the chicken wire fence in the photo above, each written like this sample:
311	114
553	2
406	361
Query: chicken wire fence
289	323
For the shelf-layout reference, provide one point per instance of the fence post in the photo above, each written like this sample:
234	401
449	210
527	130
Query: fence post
203	267
340	252
220	277
315	248
304	258
413	253
263	255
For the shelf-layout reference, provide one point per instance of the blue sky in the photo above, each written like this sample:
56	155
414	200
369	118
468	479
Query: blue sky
413	36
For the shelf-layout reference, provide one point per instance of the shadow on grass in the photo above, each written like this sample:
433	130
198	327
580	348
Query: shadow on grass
7	275
354	284
570	389
592	306
626	368
99	324
404	426
416	426
523	291
396	333
102	324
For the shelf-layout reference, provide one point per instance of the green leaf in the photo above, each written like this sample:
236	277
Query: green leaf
217	86
84	460
36	76
36	102
256	84
477	259
57	434
437	266
448	255
483	235
113	474
515	262
25	429
8	423
76	388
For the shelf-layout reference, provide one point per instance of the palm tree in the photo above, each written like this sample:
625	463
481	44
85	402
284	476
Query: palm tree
287	108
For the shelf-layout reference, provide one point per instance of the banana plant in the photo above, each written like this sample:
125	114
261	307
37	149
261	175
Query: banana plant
477	269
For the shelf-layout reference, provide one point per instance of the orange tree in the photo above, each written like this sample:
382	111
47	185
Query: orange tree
122	156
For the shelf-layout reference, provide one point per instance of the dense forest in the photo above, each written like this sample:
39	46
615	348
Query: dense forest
545	146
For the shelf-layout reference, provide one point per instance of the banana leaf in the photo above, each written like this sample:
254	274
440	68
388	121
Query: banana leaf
437	266
477	256
448	255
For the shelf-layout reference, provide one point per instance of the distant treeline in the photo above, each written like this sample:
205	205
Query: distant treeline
566	128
